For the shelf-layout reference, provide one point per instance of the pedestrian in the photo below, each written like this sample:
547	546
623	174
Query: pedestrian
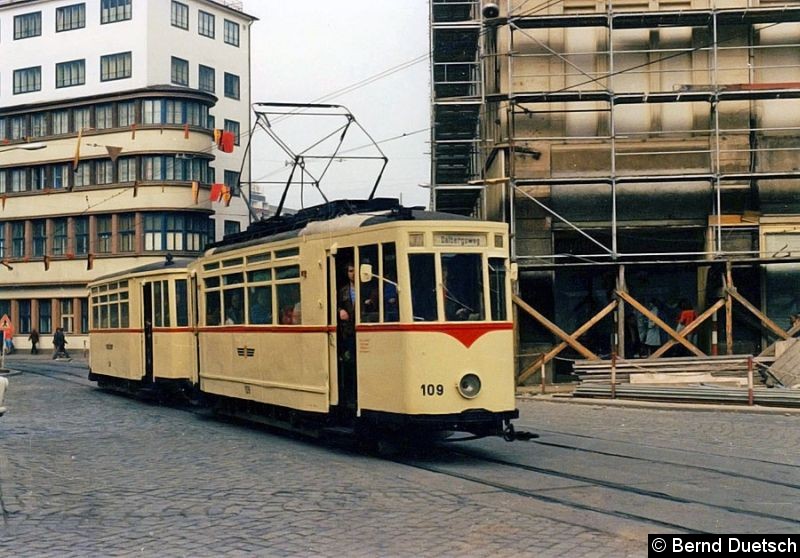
34	339
652	338
687	316
60	344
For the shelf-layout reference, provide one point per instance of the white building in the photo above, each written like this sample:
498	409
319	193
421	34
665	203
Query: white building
136	87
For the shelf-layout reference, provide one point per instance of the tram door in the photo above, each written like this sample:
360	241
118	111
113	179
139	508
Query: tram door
344	298
147	316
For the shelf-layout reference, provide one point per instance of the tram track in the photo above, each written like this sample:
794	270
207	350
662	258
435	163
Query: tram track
672	463
624	489
649	446
430	463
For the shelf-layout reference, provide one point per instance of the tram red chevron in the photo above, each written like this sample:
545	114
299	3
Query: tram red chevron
465	333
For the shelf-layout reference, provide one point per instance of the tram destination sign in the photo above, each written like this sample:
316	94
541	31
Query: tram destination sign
459	239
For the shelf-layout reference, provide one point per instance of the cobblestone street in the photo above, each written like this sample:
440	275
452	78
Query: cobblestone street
88	473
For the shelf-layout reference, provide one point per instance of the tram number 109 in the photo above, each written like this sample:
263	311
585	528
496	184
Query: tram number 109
429	390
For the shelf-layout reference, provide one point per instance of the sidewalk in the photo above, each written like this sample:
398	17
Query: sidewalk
661	405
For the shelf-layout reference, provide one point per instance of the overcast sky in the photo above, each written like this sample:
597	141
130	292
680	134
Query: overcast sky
304	51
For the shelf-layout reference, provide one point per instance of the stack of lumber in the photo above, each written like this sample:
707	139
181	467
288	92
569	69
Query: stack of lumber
731	370
721	379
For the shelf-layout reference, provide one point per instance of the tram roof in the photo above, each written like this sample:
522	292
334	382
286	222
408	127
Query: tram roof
169	264
373	212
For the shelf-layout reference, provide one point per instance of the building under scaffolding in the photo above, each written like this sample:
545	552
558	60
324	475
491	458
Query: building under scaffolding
646	154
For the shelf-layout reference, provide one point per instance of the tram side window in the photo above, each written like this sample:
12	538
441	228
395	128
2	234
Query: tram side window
462	287
181	303
124	319
370	304
113	310
289	303
288	295
259	305
213	309
497	288
423	287
391	311
233	298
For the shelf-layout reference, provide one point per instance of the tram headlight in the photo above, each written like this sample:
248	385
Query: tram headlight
469	386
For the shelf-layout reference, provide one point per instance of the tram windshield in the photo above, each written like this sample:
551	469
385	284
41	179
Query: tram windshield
460	291
462	287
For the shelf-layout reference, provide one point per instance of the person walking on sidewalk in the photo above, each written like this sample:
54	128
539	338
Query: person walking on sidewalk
60	344
34	339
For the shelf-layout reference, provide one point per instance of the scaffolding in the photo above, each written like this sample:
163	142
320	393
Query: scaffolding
456	75
650	136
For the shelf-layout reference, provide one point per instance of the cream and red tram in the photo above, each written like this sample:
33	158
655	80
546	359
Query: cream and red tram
429	347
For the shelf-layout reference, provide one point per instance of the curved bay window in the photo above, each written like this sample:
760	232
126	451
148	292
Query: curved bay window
107	115
177	231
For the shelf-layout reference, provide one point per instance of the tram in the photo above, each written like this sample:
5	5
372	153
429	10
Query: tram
360	315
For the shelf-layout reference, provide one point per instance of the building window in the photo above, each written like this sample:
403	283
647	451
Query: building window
126	225
84	315
206	79
39	227
126	113
19	180
60	175
180	71
232	182
115	10
24	309
180	15
71	17
39	124
231	86
232	227
126	168
104	116
151	111
3	245
104	172
61	122
82	118
83	174
232	33
2	186
39	178
71	73
177	231
67	315
27	25
27	80
205	24
115	66
81	236
45	316
103	223
173	111
19	127
233	127
59	237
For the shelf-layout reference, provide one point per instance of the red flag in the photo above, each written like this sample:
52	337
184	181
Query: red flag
195	190
216	191
133	131
46	263
226	195
217	136
185	131
226	142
